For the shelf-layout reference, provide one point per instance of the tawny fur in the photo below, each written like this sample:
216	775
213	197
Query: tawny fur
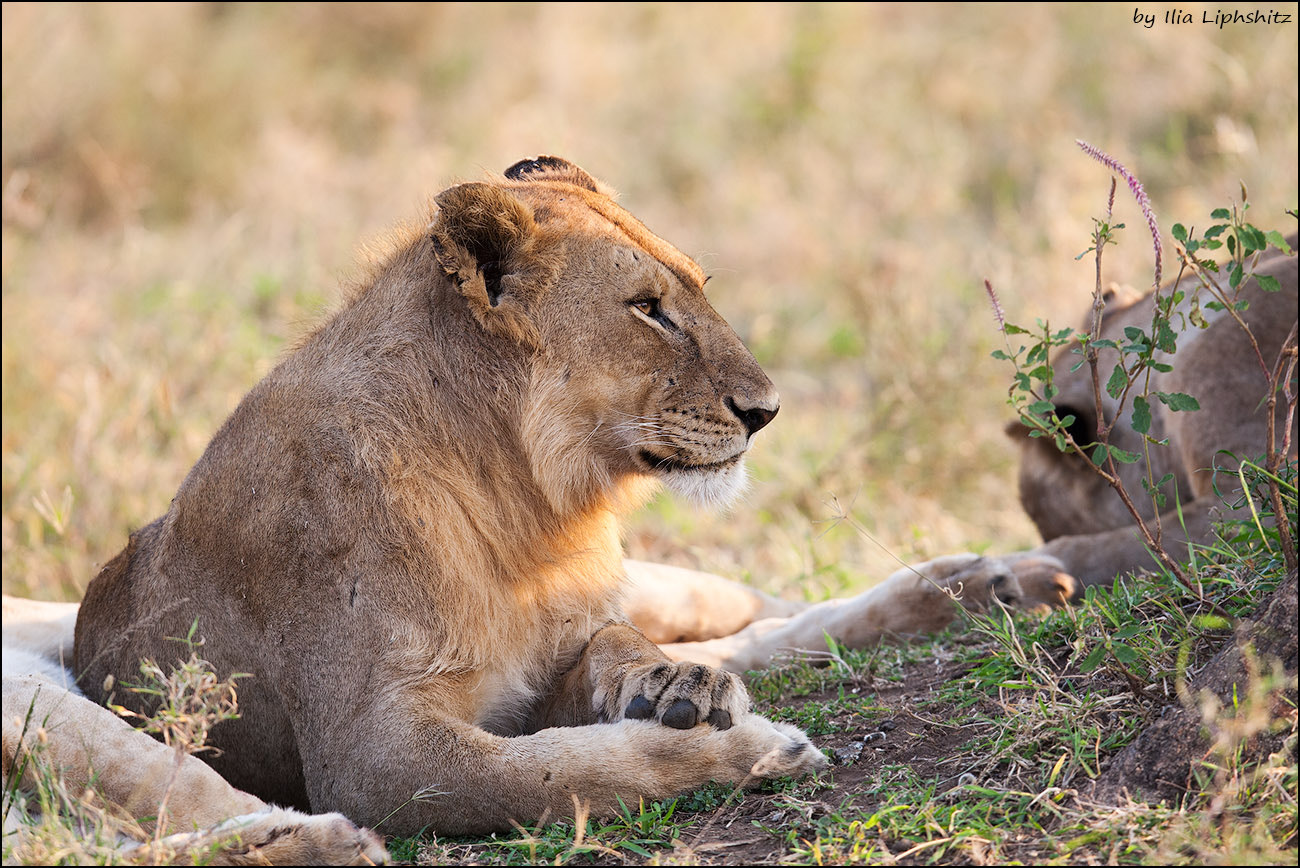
913	601
49	725
406	533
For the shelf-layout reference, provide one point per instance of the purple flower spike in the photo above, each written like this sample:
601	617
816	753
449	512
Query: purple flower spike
1138	193
997	306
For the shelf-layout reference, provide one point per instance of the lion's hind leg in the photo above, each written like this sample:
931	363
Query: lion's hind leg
912	601
274	836
673	604
58	743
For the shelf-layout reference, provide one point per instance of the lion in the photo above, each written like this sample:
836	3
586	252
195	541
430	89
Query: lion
406	534
1083	522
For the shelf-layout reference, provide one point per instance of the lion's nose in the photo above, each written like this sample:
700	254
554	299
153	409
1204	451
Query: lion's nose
756	416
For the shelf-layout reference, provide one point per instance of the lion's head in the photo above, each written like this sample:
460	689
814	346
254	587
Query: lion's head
634	376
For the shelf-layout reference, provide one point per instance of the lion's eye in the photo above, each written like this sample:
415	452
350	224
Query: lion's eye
649	308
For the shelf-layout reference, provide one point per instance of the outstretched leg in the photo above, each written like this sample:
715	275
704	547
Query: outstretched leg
673	604
912	601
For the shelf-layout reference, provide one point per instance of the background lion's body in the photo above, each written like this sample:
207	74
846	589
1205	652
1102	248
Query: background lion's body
1083	521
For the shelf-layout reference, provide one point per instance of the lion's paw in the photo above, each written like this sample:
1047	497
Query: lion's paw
1044	582
975	581
793	755
757	749
1025	581
286	837
679	695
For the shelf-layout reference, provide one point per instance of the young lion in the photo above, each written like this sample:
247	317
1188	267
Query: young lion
406	533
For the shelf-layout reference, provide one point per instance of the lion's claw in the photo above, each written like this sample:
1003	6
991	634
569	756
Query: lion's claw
678	695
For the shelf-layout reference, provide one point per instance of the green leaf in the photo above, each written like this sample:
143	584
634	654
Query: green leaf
1211	622
1216	230
1220	214
1135	334
1124	654
1179	231
1094	657
1141	415
1105	342
1275	238
1267	282
1041	408
998	354
1234	273
1166	339
1098	456
1118	380
1257	239
1157	496
1124	457
1178	401
1013	329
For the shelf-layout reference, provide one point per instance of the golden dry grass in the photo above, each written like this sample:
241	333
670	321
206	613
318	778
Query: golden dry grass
184	187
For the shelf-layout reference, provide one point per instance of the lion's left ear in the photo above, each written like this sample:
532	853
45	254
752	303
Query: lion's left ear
483	238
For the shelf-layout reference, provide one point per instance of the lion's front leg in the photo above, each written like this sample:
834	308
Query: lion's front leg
622	675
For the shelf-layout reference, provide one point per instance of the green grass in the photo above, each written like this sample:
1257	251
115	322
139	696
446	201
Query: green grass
185	187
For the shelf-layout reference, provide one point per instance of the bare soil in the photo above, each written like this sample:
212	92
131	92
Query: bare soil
911	730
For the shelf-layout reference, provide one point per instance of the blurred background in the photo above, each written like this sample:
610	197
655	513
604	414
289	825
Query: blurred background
186	186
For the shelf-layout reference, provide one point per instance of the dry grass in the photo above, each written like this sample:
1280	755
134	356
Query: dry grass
50	822
185	186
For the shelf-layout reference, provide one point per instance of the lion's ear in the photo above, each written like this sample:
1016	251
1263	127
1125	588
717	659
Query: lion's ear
483	237
546	168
